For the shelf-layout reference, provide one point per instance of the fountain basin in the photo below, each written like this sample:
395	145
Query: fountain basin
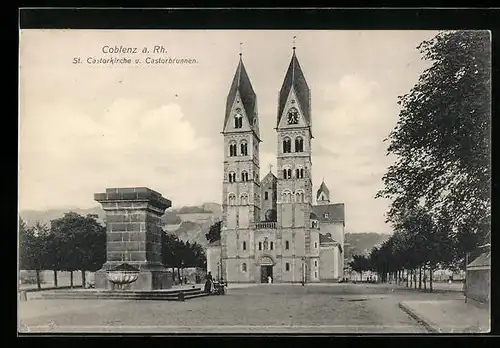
122	275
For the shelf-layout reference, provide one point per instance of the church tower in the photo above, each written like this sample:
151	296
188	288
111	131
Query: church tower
294	188
294	184
241	187
323	194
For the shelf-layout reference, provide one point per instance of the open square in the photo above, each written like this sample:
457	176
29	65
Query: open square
275	308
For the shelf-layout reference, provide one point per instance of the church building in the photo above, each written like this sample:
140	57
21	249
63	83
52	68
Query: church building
275	228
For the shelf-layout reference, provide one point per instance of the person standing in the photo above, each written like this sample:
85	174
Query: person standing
208	282
269	279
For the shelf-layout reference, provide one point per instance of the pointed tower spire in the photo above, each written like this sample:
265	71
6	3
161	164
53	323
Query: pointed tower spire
294	79
323	194
242	93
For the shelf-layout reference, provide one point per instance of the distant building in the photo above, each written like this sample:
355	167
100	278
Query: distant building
271	227
478	275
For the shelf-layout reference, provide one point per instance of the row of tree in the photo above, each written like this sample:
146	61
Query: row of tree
75	242
420	245
439	185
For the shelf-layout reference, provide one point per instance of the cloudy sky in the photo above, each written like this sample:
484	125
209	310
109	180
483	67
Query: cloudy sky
84	127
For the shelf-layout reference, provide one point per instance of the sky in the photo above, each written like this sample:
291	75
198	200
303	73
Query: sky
87	127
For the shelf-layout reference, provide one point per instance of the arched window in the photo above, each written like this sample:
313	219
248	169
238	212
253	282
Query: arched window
238	119
244	245
287	172
299	144
287	245
232	176
244	199
271	246
299	197
287	197
232	199
266	195
244	176
244	267
287	145
260	245
299	173
244	148
232	149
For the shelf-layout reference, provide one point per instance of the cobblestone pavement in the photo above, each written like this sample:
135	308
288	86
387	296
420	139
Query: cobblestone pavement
336	308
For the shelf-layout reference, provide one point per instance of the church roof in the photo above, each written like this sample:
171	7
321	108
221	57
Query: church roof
323	188
295	79
269	177
329	213
326	238
241	83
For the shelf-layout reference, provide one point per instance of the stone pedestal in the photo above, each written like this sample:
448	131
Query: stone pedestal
134	235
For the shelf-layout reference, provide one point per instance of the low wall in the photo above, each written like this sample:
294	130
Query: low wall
478	285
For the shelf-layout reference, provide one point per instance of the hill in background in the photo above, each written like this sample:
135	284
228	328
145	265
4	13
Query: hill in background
191	223
362	243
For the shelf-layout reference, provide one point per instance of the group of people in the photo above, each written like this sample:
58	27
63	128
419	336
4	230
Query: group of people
210	286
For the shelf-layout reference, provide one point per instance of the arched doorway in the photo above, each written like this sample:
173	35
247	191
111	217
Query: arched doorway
266	268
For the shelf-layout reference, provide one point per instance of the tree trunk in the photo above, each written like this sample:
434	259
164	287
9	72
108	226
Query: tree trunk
179	274
71	279
415	278
425	277
173	275
407	278
84	283
420	278
411	278
55	278
430	279
38	281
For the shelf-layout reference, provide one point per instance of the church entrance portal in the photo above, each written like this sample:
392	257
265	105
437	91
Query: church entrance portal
265	272
266	269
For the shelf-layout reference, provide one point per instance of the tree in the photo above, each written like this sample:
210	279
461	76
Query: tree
80	242
214	232
359	264
442	138
33	248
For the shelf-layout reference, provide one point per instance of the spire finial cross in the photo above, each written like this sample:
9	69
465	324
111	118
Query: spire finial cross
241	48
294	37
270	167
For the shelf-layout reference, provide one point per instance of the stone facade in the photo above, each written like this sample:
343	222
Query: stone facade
270	227
134	234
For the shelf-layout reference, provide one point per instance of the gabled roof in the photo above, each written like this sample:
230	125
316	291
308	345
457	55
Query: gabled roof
241	83
269	177
323	188
483	260
335	212
295	79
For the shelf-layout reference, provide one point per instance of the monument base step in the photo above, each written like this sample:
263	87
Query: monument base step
92	294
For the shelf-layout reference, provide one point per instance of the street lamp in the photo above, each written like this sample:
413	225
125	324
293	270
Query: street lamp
219	268
303	270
